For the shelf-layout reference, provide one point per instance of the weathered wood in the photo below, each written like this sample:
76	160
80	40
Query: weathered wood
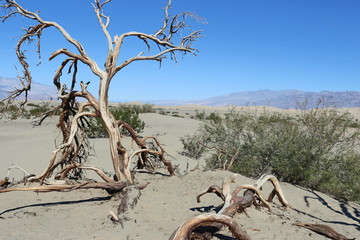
185	230
276	191
4	182
212	189
323	230
234	203
109	187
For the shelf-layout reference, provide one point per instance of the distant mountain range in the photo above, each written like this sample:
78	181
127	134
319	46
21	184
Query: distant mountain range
38	91
281	99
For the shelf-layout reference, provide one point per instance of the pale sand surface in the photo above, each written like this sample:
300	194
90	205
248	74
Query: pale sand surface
163	205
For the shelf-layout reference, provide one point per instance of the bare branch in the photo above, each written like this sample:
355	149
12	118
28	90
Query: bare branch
15	8
74	128
100	15
165	22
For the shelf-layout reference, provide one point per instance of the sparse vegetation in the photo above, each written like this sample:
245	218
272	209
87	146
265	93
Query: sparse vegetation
32	110
315	149
125	112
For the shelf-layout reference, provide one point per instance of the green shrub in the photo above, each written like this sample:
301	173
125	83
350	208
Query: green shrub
315	149
200	115
33	110
12	111
39	109
162	112
32	105
213	117
126	113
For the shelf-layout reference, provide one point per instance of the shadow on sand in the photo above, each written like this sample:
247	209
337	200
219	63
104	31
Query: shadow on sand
346	210
95	199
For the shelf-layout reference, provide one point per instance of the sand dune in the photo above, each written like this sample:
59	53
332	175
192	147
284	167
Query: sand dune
162	206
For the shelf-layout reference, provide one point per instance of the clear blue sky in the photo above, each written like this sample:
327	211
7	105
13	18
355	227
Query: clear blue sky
309	45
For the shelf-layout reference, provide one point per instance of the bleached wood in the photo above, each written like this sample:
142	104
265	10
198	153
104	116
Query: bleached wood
184	231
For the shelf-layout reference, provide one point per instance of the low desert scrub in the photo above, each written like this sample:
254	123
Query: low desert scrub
314	149
125	112
31	110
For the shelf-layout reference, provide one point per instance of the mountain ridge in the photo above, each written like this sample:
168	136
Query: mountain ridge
285	99
38	91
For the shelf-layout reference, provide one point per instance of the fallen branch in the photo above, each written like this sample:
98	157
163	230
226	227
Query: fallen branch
111	188
186	229
323	230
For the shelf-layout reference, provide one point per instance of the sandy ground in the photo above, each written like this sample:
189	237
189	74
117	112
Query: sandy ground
162	206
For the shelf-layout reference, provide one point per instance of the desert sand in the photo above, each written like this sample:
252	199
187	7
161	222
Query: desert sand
163	205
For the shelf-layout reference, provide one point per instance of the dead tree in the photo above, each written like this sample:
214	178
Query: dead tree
232	204
170	39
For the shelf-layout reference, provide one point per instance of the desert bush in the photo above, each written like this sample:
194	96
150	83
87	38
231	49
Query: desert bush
161	111
177	115
12	111
38	109
31	111
213	117
314	149
200	115
125	112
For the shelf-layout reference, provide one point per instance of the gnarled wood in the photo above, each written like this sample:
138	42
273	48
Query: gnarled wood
234	203
185	230
277	189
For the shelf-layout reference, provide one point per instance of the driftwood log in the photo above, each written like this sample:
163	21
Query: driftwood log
232	204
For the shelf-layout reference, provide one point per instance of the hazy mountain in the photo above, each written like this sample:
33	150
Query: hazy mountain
281	99
38	91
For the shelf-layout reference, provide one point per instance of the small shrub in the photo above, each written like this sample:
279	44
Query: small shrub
12	111
39	109
162	112
177	115
32	105
213	117
126	113
200	115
